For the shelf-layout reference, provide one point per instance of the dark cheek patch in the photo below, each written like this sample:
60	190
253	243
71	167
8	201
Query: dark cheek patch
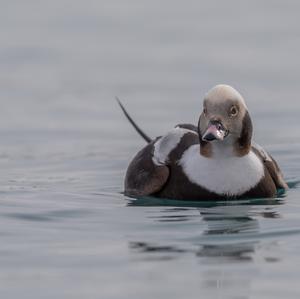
243	144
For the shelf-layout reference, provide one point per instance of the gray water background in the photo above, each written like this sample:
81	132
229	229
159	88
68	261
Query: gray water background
66	230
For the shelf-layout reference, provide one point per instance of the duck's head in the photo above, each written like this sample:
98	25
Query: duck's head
225	120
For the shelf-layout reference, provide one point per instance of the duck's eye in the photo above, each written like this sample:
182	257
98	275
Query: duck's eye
204	110
233	111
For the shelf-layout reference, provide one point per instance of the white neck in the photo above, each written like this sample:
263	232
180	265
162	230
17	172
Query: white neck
223	149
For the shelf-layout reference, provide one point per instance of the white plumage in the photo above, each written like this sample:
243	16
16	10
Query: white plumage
231	176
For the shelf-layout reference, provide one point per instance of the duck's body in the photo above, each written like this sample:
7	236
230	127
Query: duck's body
215	160
172	167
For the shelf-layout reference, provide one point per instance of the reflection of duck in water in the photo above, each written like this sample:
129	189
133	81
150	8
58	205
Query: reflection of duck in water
215	160
227	232
232	232
225	226
225	237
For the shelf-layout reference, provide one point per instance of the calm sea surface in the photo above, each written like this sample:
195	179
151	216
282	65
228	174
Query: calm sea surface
66	230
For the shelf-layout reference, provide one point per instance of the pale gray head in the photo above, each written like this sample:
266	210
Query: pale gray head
225	117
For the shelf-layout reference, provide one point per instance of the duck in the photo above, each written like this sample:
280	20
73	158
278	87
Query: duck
213	160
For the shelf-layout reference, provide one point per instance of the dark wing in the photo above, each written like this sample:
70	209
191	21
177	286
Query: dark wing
271	165
148	172
143	176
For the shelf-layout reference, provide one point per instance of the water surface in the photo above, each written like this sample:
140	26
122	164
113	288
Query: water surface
66	229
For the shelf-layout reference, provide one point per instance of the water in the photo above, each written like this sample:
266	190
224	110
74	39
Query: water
66	229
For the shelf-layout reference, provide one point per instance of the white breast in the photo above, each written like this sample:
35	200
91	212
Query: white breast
222	175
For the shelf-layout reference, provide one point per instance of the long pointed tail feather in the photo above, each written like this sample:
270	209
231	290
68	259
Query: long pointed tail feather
137	128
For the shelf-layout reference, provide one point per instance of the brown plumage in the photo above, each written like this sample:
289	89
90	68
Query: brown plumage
224	132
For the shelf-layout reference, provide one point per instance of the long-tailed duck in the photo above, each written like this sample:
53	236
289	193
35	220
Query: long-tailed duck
214	160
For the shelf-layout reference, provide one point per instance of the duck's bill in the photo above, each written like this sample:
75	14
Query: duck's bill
214	131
